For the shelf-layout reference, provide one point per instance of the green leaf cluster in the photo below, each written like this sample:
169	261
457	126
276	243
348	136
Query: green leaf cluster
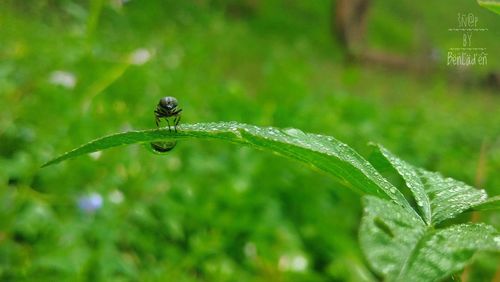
404	232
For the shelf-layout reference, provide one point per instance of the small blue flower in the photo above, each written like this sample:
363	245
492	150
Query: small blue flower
90	203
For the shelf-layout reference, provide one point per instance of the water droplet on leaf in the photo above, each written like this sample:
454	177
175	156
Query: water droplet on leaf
294	132
163	147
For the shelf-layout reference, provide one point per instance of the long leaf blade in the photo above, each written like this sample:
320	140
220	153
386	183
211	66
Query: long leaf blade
324	152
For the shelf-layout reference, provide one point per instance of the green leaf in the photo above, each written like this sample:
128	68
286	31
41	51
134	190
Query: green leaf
324	152
386	250
401	248
410	175
492	5
449	197
492	203
437	197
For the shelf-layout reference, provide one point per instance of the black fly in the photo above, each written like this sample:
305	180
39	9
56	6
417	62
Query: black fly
167	108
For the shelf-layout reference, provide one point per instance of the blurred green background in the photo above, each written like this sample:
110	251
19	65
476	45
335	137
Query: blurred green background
72	71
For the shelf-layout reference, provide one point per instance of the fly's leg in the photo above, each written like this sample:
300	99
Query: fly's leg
176	122
168	123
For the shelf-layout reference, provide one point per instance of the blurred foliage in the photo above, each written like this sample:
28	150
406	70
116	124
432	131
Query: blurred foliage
493	5
71	71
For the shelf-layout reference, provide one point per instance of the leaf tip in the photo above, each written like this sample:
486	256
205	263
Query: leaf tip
46	164
49	163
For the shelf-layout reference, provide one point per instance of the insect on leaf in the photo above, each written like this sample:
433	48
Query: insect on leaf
324	152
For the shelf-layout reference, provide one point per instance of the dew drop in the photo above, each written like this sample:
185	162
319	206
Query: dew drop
294	132
162	148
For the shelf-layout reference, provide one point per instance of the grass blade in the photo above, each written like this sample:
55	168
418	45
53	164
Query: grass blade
324	152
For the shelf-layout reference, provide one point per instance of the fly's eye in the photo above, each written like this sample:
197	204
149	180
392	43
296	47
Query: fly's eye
168	102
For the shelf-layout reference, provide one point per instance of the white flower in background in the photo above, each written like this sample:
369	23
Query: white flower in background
63	78
250	250
95	155
296	263
90	203
140	56
115	197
